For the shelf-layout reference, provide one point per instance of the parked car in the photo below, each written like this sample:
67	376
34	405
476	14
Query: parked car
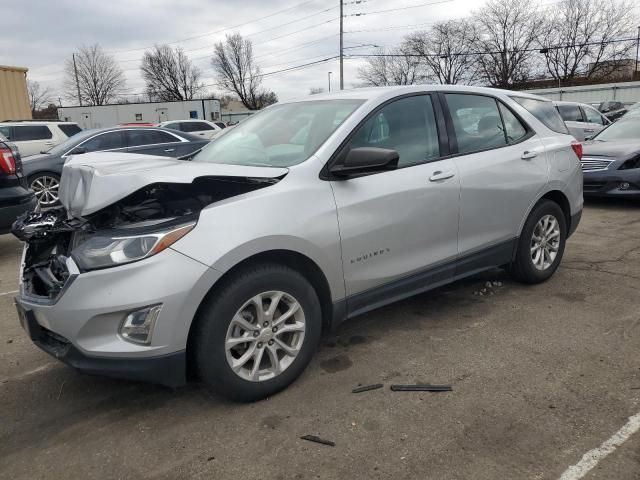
612	109
202	128
232	264
32	137
221	124
43	171
632	111
582	120
611	161
15	196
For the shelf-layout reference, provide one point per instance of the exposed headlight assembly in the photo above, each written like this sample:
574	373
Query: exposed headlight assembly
113	248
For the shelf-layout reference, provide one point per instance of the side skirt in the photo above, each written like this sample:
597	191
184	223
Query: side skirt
420	282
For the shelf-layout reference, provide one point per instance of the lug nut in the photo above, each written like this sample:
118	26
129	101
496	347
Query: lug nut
265	324
274	329
259	344
256	333
270	342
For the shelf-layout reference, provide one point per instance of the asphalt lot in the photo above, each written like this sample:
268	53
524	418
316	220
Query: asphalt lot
540	376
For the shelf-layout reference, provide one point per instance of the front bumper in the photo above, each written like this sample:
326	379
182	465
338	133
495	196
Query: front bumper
80	327
608	184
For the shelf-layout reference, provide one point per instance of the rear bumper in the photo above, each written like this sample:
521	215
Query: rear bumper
9	212
168	370
575	221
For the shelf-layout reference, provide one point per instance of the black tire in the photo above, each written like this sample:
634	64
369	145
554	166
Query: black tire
523	269
42	175
215	317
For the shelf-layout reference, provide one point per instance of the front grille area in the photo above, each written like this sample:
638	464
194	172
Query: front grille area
591	164
593	186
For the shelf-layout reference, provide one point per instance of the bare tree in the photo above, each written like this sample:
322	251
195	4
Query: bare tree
316	90
444	50
238	72
38	97
100	79
169	74
506	33
576	37
394	67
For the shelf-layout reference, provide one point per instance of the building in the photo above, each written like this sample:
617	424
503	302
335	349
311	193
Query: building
625	92
235	111
99	116
14	98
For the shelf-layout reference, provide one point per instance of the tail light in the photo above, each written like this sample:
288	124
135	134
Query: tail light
7	162
577	148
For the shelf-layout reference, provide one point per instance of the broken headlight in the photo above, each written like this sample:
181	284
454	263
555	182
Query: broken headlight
109	249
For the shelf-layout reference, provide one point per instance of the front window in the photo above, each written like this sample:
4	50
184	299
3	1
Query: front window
281	135
621	130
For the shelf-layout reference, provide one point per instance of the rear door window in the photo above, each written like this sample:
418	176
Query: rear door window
570	113
24	133
138	138
544	112
69	129
476	122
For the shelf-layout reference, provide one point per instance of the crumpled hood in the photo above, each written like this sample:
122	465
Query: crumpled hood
93	181
618	149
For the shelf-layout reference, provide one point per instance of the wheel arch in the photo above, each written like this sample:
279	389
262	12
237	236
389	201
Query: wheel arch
556	196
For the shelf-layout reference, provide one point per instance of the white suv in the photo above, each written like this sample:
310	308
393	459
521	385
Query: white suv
33	137
203	128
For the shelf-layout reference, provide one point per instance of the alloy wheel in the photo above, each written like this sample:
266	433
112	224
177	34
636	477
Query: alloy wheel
545	242
46	189
265	336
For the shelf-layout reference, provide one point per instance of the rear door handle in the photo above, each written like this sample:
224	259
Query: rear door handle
589	130
168	150
439	175
528	155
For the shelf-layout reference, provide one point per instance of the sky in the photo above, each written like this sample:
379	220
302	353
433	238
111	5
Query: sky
44	34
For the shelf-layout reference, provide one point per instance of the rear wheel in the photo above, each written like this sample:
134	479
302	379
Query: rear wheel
257	333
45	185
541	244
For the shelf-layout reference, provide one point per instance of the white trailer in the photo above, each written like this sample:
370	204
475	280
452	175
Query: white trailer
100	116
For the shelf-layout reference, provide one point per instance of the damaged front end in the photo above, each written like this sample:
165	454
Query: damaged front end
61	245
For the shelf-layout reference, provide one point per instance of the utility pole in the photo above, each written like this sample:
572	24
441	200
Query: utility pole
329	75
637	49
341	47
75	70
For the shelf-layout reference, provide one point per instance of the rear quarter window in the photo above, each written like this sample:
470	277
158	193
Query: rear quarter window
544	111
70	129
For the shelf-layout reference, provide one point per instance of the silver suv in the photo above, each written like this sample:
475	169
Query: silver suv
227	268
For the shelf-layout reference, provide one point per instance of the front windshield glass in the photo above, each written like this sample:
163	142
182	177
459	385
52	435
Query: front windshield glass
280	136
69	143
621	130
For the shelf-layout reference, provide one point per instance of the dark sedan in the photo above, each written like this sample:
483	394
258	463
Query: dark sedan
43	171
15	198
611	161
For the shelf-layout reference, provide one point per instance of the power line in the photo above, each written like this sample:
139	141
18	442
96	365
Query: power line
399	8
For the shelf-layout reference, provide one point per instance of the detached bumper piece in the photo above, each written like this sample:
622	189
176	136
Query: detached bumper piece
168	370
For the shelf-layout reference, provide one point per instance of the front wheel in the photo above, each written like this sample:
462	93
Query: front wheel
541	244
257	333
45	185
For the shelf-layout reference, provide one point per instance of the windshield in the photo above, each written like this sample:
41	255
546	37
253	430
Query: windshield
621	130
280	136
70	142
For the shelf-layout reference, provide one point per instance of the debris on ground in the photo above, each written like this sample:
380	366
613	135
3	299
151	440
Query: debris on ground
421	388
367	388
488	289
313	438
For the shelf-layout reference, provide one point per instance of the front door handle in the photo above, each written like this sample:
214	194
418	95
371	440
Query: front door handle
589	130
528	155
439	175
168	150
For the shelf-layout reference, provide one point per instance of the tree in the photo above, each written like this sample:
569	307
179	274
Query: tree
576	37
443	50
100	79
394	67
38	96
238	72
506	33
169	74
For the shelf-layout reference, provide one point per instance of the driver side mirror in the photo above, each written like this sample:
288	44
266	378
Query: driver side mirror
365	160
78	151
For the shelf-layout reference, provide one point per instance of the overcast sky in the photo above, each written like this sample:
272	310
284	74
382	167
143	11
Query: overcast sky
44	33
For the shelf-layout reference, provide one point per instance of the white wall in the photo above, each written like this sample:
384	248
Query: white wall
111	115
626	92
